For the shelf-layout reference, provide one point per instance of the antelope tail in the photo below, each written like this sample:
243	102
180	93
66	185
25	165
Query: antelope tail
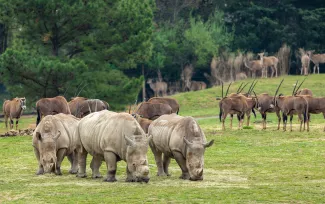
220	113
254	112
306	111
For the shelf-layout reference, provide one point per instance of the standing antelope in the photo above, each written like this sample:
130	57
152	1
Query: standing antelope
269	62
159	88
13	109
254	66
305	60
232	105
316	59
290	105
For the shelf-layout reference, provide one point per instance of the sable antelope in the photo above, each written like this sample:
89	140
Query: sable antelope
254	66
316	59
169	101
263	105
152	110
251	103
13	109
269	62
80	106
290	105
159	88
304	91
51	106
232	105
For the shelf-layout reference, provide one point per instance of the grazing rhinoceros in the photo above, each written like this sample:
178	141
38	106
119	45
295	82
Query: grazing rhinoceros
113	137
180	138
53	139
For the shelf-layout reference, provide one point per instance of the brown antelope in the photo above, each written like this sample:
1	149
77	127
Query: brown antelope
197	85
316	105
159	88
251	102
304	91
316	59
290	105
13	109
305	60
254	66
263	105
269	62
232	105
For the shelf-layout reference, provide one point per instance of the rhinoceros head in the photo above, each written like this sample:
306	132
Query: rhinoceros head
47	144
195	158
136	158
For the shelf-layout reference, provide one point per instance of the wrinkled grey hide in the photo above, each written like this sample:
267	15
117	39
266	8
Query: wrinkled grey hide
113	137
53	139
180	138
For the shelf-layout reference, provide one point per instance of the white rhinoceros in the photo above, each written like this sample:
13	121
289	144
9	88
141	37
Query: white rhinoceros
180	138
53	139
113	137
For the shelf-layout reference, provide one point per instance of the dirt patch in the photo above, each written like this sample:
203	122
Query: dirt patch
12	133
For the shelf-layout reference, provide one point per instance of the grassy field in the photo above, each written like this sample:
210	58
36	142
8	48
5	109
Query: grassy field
247	166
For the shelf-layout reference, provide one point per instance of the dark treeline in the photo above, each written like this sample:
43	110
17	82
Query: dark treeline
101	48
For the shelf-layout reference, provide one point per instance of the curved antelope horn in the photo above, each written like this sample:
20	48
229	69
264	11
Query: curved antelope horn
228	89
277	90
300	85
222	89
244	87
294	88
238	90
251	86
250	91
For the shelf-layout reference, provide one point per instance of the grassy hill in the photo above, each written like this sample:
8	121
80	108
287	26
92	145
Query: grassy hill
203	103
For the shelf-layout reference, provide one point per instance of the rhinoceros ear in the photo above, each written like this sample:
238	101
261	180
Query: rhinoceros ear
208	144
129	141
39	136
187	142
57	135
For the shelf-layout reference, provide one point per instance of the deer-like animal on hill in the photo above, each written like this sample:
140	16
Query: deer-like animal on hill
254	66
316	59
159	87
305	60
270	62
290	105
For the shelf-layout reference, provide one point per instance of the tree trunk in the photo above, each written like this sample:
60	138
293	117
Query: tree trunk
144	85
3	38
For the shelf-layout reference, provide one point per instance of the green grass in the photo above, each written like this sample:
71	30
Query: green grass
23	123
246	166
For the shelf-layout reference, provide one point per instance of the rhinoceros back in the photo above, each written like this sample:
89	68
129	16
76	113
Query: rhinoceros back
104	131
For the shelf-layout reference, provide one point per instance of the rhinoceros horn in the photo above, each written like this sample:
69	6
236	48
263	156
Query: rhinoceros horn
129	141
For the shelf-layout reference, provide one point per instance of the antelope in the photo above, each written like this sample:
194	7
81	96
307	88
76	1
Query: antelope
316	59
305	60
158	87
290	105
251	102
254	66
232	105
263	105
304	91
269	62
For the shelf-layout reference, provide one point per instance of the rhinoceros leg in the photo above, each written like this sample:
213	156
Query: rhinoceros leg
159	162
110	159
73	158
166	162
40	166
82	157
182	163
96	162
60	156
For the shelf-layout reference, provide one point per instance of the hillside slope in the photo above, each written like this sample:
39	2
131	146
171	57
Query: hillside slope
204	103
